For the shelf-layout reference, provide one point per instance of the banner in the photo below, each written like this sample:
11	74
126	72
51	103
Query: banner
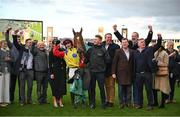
27	28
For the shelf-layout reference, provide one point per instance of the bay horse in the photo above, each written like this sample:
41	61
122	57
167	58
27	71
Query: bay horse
79	44
78	40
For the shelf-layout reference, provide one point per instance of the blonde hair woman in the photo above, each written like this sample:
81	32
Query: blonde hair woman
161	79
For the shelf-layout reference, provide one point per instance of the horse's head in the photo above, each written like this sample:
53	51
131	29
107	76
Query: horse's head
78	39
78	35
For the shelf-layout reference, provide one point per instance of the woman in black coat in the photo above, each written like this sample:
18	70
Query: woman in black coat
58	73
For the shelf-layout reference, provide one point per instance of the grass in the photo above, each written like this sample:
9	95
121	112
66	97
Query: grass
48	110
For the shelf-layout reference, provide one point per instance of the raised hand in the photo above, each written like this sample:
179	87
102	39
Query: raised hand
16	31
150	27
159	34
7	32
8	29
115	27
114	76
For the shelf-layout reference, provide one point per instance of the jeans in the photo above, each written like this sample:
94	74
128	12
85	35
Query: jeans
135	92
100	77
141	79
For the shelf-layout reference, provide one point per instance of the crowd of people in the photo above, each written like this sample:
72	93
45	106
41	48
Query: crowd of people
133	65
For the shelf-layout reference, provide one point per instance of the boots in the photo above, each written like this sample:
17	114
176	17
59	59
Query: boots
155	98
162	100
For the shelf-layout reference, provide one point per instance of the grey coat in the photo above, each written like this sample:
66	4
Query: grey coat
4	64
40	60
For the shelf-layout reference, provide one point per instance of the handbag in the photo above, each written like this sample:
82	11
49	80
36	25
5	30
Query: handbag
162	71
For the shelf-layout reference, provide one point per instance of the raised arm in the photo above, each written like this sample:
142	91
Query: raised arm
9	43
150	35
117	34
16	44
158	44
34	49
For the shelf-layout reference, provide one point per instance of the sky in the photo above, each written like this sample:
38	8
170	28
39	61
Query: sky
63	15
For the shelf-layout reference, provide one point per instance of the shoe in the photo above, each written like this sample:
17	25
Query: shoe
55	105
149	108
107	103
167	101
128	105
61	105
110	104
4	105
104	106
121	106
22	104
92	106
137	106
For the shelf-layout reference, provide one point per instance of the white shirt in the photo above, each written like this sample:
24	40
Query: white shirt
106	46
126	51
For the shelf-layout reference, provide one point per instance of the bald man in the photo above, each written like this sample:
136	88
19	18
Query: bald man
174	58
41	71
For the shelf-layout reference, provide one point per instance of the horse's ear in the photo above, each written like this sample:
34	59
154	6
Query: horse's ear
73	31
81	30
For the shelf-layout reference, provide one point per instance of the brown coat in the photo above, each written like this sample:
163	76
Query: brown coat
162	82
122	67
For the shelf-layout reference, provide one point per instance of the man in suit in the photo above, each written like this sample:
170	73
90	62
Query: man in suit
122	69
133	44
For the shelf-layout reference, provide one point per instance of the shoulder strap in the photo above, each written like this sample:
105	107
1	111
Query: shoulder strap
157	55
